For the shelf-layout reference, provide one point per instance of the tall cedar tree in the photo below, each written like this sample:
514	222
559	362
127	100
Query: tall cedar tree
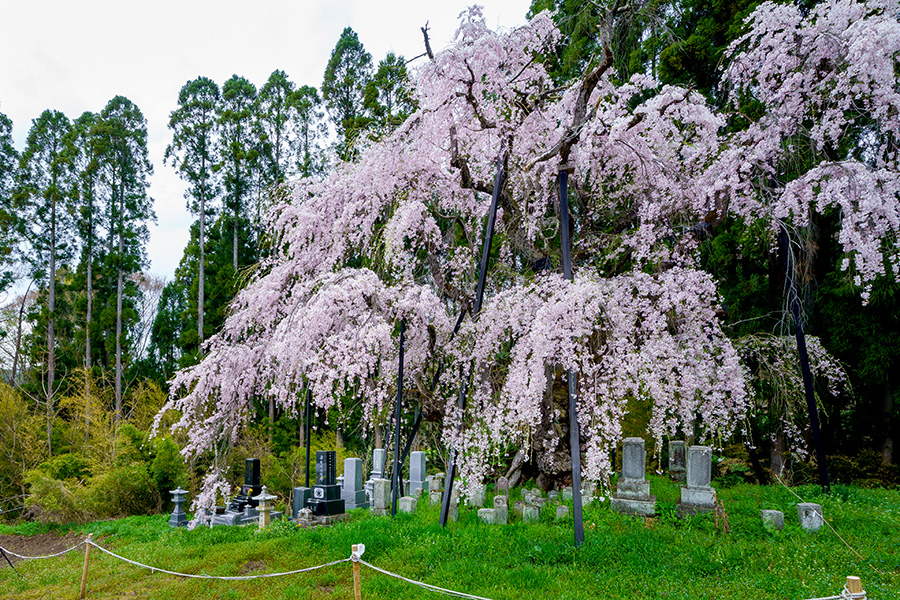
309	126
274	113
343	90
387	99
46	224
239	149
121	134
193	152
8	159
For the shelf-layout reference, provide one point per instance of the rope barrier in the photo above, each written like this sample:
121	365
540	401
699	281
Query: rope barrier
66	551
433	588
233	578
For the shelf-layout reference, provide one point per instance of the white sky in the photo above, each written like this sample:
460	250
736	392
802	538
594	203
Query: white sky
75	55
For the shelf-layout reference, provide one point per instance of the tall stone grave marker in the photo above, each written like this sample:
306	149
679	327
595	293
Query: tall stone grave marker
417	472
677	460
381	497
632	495
378	456
698	495
501	509
352	493
299	499
503	486
326	494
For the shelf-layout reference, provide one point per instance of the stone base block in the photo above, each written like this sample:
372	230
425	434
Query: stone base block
407	504
701	497
380	512
630	506
487	515
634	489
810	516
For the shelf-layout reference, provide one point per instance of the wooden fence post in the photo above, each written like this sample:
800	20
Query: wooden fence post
87	554
854	585
357	590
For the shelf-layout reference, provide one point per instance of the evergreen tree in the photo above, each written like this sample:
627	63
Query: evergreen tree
45	211
275	113
239	153
343	90
309	126
193	152
8	160
388	99
121	134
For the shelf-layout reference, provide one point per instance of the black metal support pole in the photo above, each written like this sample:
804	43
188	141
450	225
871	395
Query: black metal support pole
397	479
571	376
10	562
794	302
306	425
476	308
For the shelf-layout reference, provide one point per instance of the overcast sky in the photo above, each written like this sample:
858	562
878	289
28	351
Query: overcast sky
75	55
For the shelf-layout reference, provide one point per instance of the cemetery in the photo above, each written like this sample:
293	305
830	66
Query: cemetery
545	319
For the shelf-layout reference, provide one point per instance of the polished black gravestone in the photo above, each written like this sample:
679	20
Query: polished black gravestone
242	509
326	494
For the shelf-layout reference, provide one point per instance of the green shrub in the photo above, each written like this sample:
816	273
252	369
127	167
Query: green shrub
168	469
55	500
66	466
123	491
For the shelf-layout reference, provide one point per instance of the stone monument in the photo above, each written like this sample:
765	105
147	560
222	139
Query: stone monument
698	495
326	494
378	457
242	509
417	472
677	460
632	495
178	518
381	497
353	493
810	516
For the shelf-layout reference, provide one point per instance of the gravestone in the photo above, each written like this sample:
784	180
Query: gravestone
562	511
326	494
503	486
698	495
632	495
381	497
453	509
437	483
677	460
300	497
531	513
242	508
435	497
810	516
588	490
478	498
501	509
417	471
407	504
567	494
487	515
353	493
772	519
378	457
553	495
519	507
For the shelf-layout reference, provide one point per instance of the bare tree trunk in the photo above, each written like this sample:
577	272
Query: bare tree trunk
87	340
379	437
119	294
271	420
201	274
15	364
51	334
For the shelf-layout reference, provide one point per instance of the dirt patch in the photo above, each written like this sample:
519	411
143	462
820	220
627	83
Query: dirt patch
250	567
41	544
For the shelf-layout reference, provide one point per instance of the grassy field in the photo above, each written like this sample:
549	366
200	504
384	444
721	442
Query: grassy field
622	557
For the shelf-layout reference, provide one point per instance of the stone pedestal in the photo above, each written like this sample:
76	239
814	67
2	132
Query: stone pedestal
632	495
407	504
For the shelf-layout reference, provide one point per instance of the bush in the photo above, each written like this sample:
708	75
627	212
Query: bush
56	501
123	491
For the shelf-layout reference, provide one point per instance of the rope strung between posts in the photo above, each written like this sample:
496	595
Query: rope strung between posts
234	578
66	551
833	530
845	595
433	588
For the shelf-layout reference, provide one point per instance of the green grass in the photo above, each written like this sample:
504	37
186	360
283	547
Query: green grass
622	557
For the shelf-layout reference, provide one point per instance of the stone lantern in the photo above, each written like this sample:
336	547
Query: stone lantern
178	518
265	507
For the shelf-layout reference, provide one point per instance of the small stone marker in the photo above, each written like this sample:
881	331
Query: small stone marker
553	495
501	508
697	495
381	500
453	510
178	518
562	511
408	504
519	507
487	515
531	513
417	471
353	493
810	515
437	482
632	495
478	498
772	519
503	486
677	460
417	492
567	494
588	490
435	497
300	497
